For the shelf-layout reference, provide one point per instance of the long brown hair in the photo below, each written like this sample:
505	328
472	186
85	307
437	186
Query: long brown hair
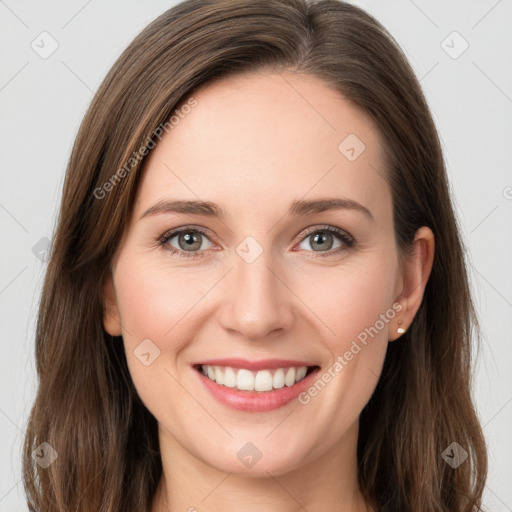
87	408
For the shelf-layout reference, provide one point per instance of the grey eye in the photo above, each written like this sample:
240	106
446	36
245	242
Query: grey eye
321	241
189	240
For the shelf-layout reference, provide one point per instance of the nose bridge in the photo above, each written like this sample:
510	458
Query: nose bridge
256	300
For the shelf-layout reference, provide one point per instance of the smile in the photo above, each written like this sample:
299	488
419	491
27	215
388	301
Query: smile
255	386
247	380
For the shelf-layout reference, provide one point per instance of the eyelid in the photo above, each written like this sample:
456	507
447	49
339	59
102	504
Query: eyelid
163	239
344	236
176	231
325	227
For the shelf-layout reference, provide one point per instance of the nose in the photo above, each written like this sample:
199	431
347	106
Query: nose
257	303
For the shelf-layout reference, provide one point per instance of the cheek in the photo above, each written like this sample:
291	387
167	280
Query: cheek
156	303
356	305
157	314
351	300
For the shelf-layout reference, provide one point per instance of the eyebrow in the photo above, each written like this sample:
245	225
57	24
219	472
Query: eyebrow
300	207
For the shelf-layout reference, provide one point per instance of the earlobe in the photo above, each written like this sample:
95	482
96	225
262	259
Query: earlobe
415	274
111	317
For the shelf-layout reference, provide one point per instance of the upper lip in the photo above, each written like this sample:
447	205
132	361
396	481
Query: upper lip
262	364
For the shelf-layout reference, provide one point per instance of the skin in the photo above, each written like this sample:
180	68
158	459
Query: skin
253	144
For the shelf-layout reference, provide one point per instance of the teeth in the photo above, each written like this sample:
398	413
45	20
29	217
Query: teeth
219	375
247	380
278	381
229	378
244	380
301	373
289	378
263	381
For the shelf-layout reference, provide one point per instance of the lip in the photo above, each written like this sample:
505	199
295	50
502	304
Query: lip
256	401
264	364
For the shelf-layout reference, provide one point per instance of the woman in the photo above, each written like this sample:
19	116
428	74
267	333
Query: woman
194	349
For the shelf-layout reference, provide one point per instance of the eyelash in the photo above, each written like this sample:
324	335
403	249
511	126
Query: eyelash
343	236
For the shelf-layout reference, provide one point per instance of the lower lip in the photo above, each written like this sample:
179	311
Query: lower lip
256	401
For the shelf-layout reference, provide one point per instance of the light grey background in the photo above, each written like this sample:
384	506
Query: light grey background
42	101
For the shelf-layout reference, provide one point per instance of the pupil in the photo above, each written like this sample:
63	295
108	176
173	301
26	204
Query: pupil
190	240
323	236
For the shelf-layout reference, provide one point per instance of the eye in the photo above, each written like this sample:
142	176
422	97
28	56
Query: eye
322	241
189	242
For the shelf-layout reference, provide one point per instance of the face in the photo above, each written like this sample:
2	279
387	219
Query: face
278	283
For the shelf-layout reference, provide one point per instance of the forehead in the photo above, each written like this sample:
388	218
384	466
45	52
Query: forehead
251	140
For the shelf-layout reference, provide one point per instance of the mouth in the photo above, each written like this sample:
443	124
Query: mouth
255	386
264	380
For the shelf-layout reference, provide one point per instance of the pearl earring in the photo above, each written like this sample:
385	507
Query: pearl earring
400	330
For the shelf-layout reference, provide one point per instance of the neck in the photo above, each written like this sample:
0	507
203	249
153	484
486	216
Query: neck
328	484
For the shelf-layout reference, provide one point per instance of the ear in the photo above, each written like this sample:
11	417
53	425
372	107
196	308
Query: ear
111	317
416	269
